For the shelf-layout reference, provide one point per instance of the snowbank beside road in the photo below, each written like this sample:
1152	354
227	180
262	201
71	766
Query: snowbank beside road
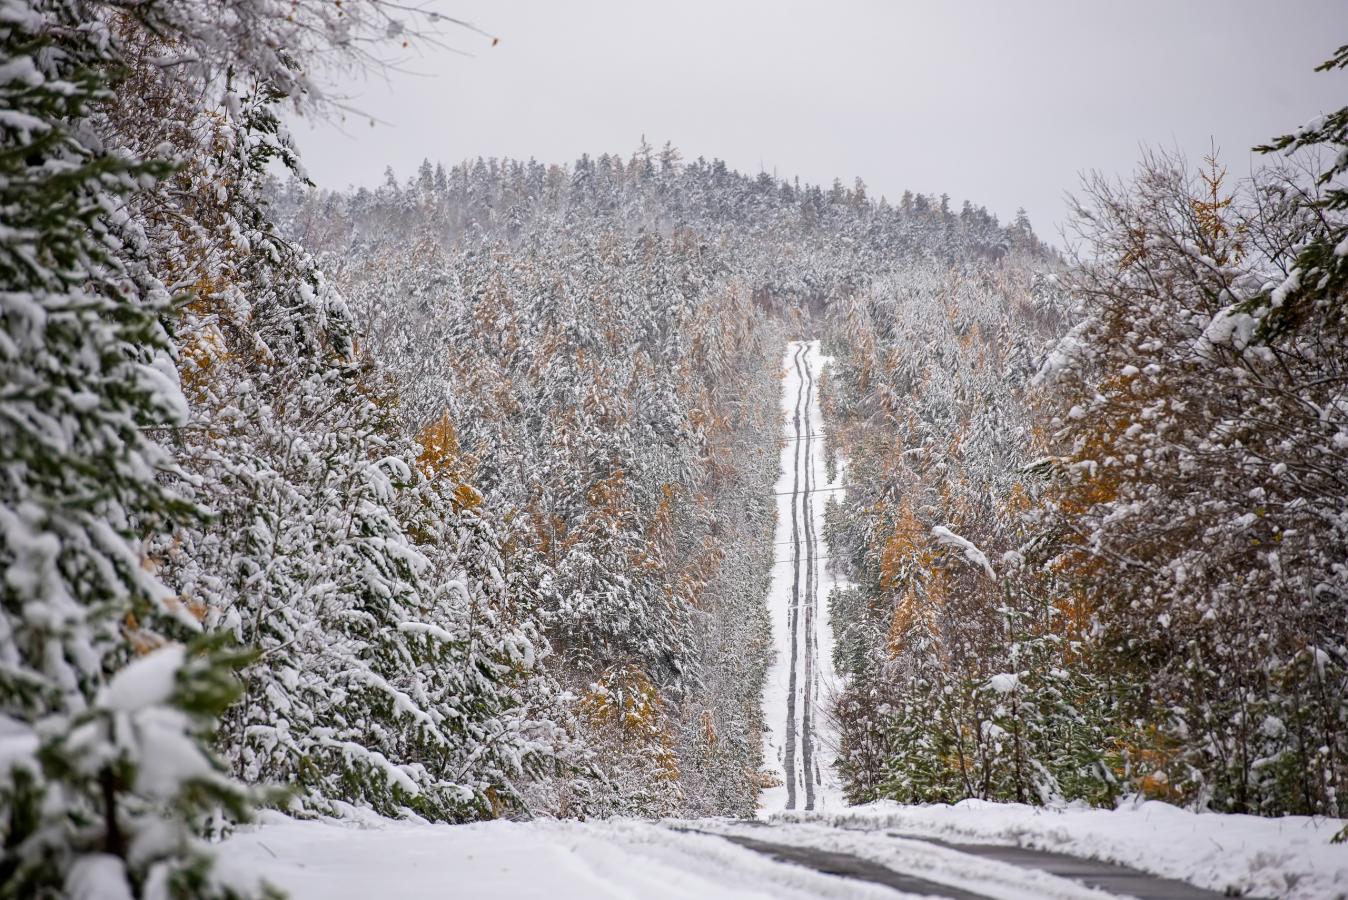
1289	857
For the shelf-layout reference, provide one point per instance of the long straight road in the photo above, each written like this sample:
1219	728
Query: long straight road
798	855
800	743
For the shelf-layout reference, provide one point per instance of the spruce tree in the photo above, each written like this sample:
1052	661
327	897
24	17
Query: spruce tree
104	722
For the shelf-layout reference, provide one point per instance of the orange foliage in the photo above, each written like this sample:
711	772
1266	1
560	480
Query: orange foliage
1211	212
1149	752
547	529
708	728
625	700
661	530
1017	500
1137	248
441	457
439	448
917	610
906	545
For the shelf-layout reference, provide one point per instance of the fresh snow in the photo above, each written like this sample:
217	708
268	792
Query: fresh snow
1004	683
948	538
146	681
623	858
98	876
545	860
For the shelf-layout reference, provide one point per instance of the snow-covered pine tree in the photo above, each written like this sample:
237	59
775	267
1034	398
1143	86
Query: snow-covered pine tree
516	738
367	691
362	695
105	725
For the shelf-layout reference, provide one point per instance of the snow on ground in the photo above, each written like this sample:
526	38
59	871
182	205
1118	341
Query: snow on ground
1290	857
802	464
631	860
622	858
830	579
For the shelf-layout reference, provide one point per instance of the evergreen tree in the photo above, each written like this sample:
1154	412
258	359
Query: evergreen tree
105	720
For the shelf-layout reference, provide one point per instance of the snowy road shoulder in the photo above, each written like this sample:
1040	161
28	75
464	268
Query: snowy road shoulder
612	859
1290	857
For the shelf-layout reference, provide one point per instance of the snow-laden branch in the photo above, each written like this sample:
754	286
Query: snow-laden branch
947	538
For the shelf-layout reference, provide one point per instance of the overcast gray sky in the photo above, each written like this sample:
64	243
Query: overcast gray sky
1001	103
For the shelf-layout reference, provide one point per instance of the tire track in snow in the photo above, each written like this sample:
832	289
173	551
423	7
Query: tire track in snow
801	766
811	597
789	762
799	742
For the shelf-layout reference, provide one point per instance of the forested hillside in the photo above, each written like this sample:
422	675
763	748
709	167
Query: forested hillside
453	499
588	354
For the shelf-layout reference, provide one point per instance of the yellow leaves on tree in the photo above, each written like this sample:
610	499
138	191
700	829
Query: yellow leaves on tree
612	513
549	530
916	611
1088	478
607	497
628	706
904	550
1211	209
439	449
660	532
201	351
708	723
1136	250
1016	501
1092	477
688	573
441	457
906	569
1146	754
1210	206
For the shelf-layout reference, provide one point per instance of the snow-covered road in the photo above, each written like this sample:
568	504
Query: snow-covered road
973	849
800	743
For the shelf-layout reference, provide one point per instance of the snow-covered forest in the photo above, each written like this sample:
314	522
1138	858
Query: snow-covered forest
1097	515
455	499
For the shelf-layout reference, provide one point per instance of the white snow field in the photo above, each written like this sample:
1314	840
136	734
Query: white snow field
800	741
